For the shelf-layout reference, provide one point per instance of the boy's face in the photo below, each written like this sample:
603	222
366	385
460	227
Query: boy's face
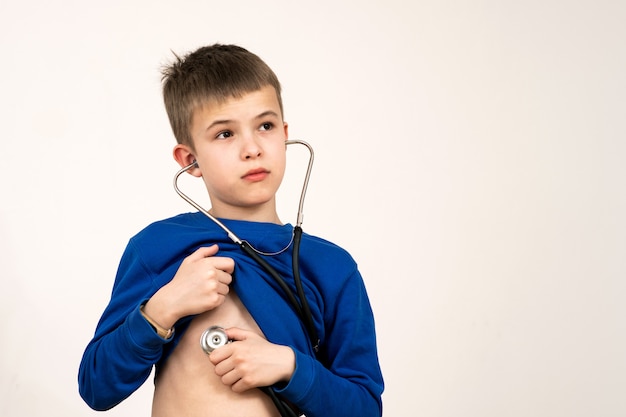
240	150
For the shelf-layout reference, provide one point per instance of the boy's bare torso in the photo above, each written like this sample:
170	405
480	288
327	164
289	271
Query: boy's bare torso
187	384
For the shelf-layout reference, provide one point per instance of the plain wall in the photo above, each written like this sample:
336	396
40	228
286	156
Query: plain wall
469	154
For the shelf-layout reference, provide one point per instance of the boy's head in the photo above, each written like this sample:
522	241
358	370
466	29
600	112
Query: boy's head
211	74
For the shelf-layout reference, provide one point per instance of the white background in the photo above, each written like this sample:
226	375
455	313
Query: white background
469	154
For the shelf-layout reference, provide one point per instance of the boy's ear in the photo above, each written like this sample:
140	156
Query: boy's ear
184	156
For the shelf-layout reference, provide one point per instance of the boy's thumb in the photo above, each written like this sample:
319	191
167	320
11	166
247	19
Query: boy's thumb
235	333
205	251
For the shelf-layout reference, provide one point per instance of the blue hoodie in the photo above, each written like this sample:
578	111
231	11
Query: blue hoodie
345	378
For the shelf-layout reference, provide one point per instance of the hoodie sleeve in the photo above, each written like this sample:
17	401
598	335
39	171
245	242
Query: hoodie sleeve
349	382
120	357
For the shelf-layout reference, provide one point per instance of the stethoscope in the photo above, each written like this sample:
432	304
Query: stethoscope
215	336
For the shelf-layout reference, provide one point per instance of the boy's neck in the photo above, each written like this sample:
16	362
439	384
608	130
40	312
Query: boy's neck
260	215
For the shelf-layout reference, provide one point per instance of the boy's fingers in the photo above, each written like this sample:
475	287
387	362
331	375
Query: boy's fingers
219	262
235	333
224	264
204	252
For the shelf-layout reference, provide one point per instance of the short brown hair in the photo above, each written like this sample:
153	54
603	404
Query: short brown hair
212	73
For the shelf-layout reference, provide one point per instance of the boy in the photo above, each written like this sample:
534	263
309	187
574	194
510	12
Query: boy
181	275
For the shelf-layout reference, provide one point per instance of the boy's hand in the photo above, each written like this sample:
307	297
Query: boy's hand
200	284
251	361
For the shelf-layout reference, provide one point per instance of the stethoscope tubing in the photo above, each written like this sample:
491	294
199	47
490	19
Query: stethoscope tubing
300	306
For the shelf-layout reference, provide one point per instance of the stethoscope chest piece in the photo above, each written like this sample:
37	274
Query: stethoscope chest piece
212	338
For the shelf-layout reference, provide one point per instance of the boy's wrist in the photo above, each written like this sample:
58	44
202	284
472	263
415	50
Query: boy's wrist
290	364
161	331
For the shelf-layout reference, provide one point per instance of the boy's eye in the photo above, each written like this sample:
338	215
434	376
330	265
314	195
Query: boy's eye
267	126
224	135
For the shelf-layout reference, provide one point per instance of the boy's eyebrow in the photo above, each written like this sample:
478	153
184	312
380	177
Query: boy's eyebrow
267	113
218	122
227	121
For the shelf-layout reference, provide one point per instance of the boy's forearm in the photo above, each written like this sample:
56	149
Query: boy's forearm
352	383
116	364
319	393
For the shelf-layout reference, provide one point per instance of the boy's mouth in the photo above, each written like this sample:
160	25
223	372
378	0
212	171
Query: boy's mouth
255	175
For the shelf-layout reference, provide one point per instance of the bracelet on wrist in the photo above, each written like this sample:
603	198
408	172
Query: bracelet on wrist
161	331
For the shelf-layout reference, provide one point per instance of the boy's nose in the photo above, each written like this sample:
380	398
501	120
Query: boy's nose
251	148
